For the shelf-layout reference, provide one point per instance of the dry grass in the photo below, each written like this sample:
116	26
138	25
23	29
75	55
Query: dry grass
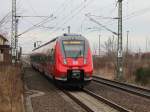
11	88
105	67
105	73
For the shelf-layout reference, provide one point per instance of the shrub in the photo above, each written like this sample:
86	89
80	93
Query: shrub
142	75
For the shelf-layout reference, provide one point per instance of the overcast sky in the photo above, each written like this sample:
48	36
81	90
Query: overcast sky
136	14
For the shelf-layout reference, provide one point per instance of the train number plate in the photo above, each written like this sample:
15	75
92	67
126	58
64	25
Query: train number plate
76	74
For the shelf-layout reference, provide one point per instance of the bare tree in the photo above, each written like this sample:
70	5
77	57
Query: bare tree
5	25
95	48
110	47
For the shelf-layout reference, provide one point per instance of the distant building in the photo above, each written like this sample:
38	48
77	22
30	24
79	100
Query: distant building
5	54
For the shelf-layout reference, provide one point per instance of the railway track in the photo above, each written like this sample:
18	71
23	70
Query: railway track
123	86
94	103
33	79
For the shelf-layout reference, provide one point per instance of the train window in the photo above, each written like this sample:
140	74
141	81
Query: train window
42	58
73	49
2	51
52	56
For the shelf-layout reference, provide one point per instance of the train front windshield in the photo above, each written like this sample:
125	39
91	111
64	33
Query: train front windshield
73	49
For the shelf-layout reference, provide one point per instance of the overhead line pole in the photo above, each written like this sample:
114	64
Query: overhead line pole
119	47
69	29
127	42
119	74
16	39
13	32
99	44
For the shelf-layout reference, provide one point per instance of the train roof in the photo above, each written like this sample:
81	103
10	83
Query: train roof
65	36
45	43
71	36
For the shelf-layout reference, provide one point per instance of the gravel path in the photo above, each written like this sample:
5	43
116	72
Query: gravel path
132	102
53	100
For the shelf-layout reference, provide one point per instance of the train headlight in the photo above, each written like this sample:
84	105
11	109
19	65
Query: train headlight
85	61
65	62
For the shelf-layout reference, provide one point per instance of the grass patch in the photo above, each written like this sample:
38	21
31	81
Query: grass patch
142	75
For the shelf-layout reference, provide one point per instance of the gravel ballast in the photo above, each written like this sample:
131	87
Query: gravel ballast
127	100
53	100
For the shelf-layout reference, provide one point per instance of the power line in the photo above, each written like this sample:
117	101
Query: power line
111	12
61	7
77	11
102	17
33	16
30	5
110	18
5	18
101	24
40	26
36	25
137	13
130	16
40	23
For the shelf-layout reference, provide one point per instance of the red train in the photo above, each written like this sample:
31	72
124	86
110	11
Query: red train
66	59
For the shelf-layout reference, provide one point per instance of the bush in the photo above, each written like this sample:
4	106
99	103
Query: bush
143	75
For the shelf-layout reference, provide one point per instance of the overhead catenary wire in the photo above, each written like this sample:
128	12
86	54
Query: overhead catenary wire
111	12
30	5
5	27
5	18
63	19
39	25
137	13
77	11
107	18
33	16
61	8
127	17
62	5
71	17
34	26
103	26
102	17
71	12
131	15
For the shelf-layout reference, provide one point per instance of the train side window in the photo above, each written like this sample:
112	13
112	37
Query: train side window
52	56
1	51
44	59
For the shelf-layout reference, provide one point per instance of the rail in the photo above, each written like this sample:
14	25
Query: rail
124	86
88	109
99	98
106	101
